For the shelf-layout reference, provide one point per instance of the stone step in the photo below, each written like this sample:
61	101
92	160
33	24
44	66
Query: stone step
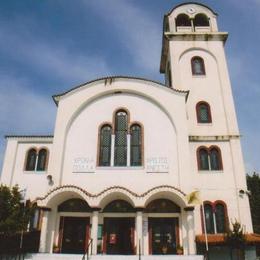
111	257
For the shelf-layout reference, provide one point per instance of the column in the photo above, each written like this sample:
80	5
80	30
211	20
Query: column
112	150
94	231
128	149
44	227
139	231
191	230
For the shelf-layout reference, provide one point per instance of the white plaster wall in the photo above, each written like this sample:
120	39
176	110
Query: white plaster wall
159	142
35	182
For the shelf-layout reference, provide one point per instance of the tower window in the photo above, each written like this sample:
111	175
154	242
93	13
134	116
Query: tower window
183	20
209	159
215	217
197	66
201	20
203	112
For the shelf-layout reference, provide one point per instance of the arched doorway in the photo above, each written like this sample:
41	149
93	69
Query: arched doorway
163	226
119	226
74	227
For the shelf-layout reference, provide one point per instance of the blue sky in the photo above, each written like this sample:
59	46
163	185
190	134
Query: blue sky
47	47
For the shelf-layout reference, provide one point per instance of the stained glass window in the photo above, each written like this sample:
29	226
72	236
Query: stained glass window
74	205
203	159
197	66
215	159
119	206
136	145
220	218
162	206
209	218
105	145
121	122
203	113
31	160
42	160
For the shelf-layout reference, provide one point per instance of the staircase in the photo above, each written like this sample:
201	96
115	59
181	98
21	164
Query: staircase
111	257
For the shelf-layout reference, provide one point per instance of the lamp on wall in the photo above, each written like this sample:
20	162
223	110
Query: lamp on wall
243	192
50	180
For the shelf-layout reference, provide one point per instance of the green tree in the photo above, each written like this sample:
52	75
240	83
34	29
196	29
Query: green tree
253	184
14	215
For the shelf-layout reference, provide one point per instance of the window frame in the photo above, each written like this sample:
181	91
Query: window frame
214	220
198	112
113	137
105	124
37	159
209	149
202	64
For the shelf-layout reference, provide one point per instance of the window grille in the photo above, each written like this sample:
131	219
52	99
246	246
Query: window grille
42	160
136	145
105	146
31	160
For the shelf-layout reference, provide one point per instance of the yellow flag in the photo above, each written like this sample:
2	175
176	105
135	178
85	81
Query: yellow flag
193	198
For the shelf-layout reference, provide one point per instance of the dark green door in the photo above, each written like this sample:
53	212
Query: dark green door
75	235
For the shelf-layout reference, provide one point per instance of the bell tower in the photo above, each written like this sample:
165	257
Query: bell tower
193	58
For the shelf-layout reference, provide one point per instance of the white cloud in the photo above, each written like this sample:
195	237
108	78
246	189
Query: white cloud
139	32
50	59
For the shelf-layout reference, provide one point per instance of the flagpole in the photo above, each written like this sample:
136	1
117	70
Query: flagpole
205	228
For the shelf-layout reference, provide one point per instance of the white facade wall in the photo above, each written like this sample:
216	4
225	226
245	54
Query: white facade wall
170	133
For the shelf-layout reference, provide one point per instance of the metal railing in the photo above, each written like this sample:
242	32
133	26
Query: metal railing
87	250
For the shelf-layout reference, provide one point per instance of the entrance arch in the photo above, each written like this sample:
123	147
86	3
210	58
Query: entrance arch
119	228
163	226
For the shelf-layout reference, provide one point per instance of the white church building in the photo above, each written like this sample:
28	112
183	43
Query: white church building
127	151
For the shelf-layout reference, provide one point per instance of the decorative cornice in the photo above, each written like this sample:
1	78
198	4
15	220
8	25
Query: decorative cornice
108	80
110	188
189	3
209	138
29	136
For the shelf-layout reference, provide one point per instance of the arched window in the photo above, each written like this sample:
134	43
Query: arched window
215	159
203	159
203	112
197	66
215	217
136	145
31	160
42	160
220	218
201	20
209	219
105	145
121	123
183	20
209	158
